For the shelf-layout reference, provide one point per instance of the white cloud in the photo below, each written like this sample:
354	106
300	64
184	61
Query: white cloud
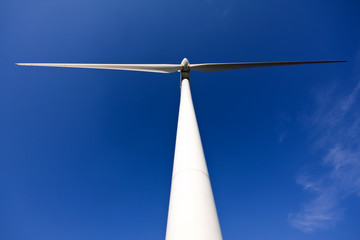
337	127
282	137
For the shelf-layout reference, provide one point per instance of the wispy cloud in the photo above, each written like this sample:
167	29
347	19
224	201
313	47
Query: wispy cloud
282	137
337	126
220	10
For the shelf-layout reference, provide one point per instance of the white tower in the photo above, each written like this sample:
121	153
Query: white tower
192	212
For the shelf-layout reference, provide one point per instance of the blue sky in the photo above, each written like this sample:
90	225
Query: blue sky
87	154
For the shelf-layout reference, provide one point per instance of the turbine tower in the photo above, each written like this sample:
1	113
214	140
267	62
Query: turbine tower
192	213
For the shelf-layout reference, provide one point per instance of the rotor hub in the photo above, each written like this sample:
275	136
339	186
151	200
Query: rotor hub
185	71
185	65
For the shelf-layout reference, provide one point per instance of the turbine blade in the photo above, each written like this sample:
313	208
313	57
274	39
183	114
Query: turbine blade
158	68
214	67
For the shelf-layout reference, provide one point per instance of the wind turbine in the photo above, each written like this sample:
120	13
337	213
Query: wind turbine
192	213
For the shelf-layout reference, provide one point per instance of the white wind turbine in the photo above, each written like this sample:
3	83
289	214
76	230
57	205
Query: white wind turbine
192	213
